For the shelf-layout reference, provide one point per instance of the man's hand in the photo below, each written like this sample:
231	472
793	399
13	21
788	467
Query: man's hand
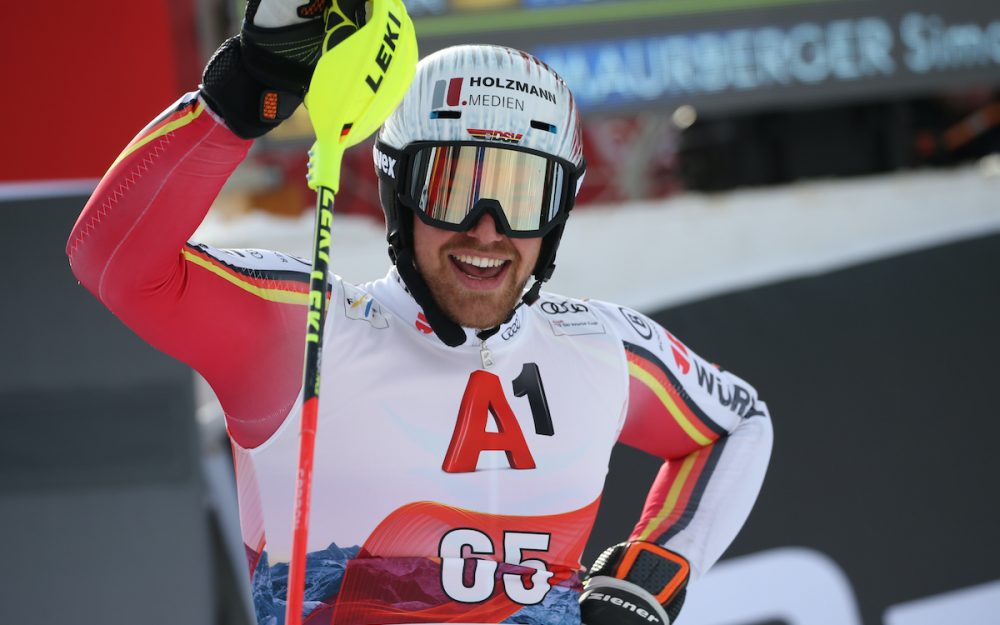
257	79
634	583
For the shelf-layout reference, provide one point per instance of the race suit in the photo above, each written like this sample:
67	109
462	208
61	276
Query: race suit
450	484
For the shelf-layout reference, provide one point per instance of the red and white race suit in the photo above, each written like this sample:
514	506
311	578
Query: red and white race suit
451	484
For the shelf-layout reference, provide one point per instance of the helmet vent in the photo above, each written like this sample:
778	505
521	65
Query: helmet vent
543	126
448	115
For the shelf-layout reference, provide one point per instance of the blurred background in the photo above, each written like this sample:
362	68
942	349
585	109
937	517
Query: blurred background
804	191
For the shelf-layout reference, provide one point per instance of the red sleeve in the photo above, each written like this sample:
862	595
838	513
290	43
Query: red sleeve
664	419
241	328
708	425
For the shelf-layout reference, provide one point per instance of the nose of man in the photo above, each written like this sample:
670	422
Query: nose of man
485	229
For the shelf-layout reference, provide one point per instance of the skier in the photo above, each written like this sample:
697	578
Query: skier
467	416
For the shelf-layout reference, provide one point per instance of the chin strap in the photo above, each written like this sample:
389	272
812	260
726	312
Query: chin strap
450	333
530	297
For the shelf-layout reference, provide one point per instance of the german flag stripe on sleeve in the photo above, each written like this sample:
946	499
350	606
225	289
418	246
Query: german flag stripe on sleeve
676	494
286	287
186	111
645	368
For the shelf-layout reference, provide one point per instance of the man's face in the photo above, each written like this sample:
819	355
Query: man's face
477	276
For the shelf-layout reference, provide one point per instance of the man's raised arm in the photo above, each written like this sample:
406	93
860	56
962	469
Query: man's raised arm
238	318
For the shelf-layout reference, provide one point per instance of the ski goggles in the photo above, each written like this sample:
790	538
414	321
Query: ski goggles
450	185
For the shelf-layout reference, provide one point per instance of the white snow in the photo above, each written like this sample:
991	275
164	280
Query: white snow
653	254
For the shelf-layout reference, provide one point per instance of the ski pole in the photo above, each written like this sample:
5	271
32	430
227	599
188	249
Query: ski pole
356	85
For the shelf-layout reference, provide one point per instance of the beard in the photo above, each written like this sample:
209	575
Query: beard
472	308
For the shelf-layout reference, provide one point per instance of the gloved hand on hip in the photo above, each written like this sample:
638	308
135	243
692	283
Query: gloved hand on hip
634	583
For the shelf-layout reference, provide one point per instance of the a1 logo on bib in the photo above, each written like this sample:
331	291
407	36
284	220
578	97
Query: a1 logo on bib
484	398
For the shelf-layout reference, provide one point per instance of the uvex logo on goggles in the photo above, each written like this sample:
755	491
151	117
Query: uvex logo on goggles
384	162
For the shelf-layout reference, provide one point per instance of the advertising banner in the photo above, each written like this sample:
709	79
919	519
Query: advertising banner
737	54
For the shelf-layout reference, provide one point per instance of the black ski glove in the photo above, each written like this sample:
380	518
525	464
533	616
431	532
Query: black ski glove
635	583
257	79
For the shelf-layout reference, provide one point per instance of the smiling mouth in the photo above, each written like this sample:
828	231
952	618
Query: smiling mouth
479	267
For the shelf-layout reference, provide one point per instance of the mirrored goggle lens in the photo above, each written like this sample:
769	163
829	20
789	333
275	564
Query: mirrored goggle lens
447	181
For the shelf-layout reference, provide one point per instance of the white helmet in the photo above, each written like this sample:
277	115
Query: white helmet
461	89
477	105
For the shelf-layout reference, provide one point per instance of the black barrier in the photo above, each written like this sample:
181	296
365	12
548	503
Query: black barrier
882	384
102	505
